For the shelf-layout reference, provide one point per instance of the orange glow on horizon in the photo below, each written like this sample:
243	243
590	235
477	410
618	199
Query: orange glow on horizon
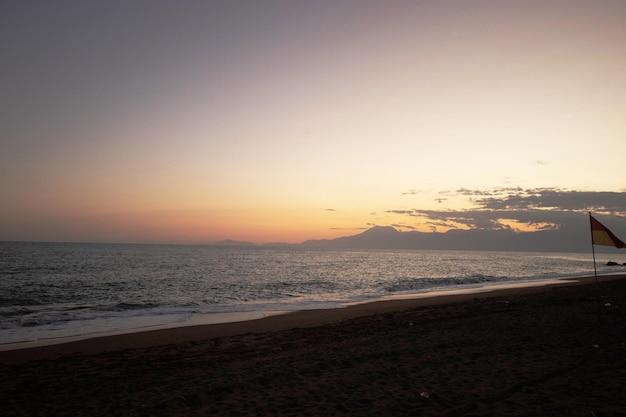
209	226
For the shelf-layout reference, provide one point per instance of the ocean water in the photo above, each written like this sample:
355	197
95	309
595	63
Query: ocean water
50	290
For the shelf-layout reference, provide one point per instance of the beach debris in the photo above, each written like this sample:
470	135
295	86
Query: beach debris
424	394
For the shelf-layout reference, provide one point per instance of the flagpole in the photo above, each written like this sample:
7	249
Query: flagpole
593	251
595	270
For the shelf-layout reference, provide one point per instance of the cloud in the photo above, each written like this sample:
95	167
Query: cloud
613	203
516	208
403	226
412	213
493	192
495	220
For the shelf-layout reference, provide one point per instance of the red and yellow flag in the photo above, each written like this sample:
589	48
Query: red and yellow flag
600	235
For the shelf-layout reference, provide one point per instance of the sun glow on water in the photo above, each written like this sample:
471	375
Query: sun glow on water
62	289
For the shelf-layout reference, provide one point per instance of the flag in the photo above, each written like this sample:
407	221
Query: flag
600	235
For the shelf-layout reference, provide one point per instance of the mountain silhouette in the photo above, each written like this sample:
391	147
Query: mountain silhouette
387	237
230	242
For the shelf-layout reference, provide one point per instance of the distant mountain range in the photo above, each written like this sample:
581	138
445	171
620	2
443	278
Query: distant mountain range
387	237
230	242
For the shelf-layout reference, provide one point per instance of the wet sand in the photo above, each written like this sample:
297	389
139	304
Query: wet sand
551	350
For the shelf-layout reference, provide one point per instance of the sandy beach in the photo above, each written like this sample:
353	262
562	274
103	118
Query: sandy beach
554	350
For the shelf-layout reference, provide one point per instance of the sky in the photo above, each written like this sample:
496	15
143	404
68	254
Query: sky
280	121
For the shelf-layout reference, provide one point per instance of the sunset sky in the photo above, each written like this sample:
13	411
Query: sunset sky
196	121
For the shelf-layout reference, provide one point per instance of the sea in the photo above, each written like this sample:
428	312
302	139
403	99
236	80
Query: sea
60	290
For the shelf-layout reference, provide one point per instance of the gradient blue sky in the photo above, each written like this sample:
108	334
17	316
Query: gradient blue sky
195	121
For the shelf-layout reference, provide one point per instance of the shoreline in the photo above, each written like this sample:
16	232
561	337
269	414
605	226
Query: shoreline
241	316
550	350
264	322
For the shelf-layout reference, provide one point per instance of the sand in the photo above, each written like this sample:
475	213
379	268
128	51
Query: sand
551	350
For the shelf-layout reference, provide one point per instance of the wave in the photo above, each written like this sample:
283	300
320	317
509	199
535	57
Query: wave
420	284
85	288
